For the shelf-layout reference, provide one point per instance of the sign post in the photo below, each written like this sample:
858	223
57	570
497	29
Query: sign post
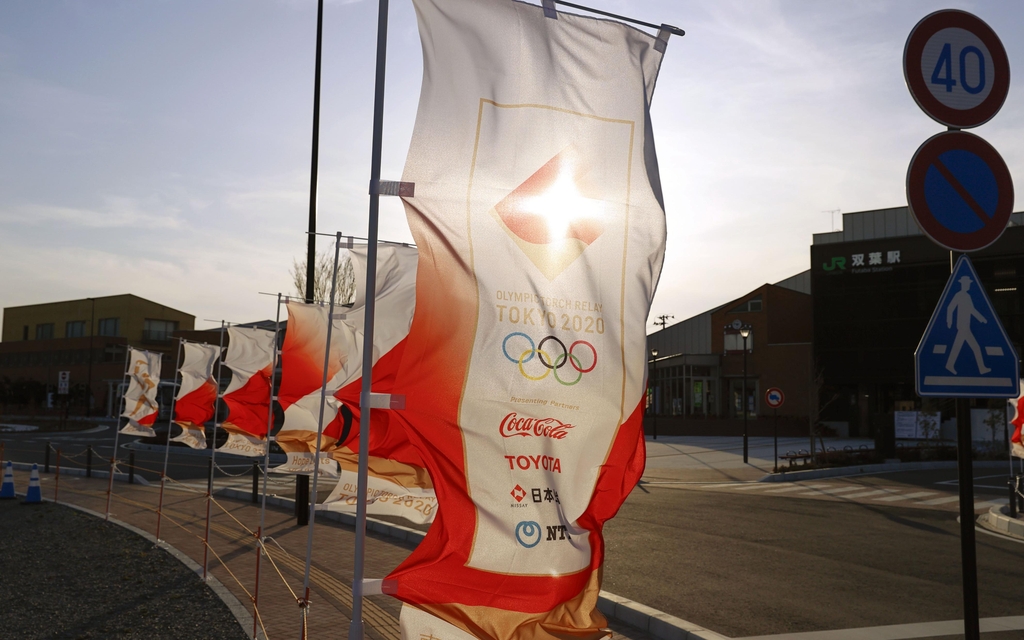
63	382
961	194
774	398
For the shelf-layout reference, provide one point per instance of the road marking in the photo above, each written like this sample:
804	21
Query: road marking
747	487
902	631
990	503
796	488
946	500
821	492
864	494
908	496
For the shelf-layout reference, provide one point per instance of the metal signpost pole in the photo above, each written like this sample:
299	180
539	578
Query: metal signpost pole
968	552
167	442
117	430
744	402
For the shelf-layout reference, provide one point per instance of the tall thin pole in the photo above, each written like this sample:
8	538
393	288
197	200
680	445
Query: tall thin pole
744	402
117	432
213	448
356	627
167	447
88	383
302	481
260	538
319	435
311	237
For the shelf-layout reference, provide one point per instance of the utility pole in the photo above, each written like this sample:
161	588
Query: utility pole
663	321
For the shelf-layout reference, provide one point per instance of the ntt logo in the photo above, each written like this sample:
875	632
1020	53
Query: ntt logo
528	533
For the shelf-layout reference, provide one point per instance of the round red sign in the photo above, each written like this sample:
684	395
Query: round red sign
774	397
956	68
960	191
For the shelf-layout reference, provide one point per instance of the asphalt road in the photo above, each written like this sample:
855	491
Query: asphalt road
744	563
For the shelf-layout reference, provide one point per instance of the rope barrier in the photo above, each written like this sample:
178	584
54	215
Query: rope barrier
247	471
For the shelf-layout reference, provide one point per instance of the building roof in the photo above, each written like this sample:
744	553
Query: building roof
120	295
896	222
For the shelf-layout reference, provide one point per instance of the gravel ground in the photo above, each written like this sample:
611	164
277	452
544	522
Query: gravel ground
68	575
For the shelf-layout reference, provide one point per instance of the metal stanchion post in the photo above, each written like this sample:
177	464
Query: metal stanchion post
56	481
302	500
88	461
46	458
256	481
1012	484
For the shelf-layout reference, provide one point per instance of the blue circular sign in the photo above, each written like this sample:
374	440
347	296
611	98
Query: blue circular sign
960	191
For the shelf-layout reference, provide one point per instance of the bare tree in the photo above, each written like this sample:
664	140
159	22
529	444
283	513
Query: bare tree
345	289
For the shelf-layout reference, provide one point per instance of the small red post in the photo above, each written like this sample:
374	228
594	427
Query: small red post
160	506
256	591
56	482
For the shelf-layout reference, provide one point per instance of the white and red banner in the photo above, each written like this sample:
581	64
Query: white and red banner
196	400
541	234
250	357
398	483
1017	411
140	404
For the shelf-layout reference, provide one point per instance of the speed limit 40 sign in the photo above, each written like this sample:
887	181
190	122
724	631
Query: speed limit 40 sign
956	68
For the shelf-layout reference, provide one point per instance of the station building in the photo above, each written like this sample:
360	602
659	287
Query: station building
838	339
876	284
86	337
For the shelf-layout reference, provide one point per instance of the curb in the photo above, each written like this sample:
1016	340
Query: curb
657	623
888	467
998	521
241	614
96	473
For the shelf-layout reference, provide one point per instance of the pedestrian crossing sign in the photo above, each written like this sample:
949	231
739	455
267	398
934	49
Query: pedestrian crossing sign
964	351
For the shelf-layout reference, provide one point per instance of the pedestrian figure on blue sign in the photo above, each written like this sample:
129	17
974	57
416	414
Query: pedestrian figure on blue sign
964	308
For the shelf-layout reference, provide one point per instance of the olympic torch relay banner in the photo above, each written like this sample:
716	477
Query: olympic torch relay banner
1016	443
140	405
541	234
250	357
197	395
303	359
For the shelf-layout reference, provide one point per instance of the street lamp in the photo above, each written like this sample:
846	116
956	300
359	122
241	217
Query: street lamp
654	392
744	332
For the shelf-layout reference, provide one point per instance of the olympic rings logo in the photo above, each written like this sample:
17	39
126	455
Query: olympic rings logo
551	365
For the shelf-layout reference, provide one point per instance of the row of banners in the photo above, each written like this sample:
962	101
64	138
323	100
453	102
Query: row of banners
517	333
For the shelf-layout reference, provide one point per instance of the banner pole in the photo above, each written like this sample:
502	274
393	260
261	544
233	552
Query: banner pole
117	431
167	444
266	466
319	435
356	627
213	449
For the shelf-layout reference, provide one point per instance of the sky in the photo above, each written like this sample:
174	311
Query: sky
162	148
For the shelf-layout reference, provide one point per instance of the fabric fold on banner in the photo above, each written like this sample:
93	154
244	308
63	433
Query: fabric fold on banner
140	404
196	399
1016	440
250	358
302	367
541	234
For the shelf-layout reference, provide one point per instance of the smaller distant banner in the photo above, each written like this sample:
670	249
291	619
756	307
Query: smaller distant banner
140	405
1016	443
197	396
251	360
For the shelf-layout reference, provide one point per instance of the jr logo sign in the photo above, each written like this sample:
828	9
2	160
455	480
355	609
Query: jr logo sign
837	263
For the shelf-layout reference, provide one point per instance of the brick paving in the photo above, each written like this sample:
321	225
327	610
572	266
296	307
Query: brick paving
232	558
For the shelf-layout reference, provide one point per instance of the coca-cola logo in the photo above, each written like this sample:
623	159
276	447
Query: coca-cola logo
514	425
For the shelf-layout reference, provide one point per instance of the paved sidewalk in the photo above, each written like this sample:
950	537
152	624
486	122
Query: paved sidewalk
232	558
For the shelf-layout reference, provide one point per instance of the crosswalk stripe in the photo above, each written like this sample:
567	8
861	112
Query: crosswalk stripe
945	500
797	488
906	496
747	487
826	492
864	494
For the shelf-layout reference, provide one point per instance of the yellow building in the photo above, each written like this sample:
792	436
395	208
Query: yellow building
86	338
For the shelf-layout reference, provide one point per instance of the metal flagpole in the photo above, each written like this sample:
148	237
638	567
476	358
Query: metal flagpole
319	436
117	430
355	631
213	449
167	444
266	466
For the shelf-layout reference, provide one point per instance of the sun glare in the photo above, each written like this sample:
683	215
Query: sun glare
562	204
